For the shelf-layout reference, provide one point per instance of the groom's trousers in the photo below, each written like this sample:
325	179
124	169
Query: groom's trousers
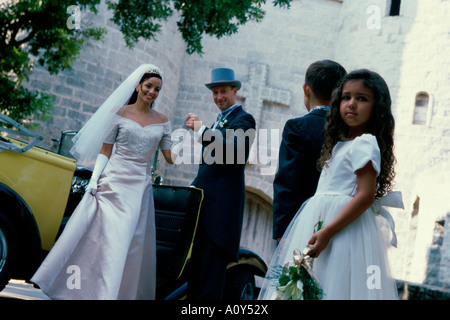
207	268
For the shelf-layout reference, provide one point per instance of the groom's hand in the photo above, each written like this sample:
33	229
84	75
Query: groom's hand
193	122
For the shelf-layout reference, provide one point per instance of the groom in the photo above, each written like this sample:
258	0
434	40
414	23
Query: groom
226	147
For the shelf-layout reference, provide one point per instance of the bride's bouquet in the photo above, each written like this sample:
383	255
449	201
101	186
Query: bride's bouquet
296	280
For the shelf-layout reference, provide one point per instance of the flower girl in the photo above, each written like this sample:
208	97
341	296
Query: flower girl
357	161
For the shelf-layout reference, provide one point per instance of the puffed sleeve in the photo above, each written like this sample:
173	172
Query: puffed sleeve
364	149
111	132
166	140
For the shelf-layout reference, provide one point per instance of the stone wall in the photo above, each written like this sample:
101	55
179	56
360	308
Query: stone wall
413	291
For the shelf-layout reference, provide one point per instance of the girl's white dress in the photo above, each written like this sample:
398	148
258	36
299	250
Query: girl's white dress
108	247
354	264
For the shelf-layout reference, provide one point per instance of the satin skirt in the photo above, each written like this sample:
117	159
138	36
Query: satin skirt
108	247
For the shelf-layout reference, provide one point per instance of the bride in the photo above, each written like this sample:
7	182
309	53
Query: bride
109	243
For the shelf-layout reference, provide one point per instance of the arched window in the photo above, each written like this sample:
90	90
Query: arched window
394	7
421	108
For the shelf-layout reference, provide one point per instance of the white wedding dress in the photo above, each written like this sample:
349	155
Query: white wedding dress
354	264
109	241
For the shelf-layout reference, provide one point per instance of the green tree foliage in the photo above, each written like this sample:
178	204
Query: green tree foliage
141	18
43	32
36	31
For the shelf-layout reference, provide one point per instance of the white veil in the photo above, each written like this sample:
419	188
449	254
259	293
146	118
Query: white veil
89	140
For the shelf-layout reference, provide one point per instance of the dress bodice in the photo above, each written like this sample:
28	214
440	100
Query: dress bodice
339	176
135	142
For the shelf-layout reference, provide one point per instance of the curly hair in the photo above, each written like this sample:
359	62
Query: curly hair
381	125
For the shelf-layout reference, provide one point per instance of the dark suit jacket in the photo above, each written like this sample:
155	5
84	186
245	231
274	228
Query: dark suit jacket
221	176
297	176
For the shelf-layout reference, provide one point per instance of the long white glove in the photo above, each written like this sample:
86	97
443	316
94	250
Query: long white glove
178	137
100	165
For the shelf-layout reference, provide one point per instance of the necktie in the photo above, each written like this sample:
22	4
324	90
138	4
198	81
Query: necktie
219	117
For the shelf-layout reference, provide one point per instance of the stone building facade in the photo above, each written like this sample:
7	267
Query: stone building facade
405	41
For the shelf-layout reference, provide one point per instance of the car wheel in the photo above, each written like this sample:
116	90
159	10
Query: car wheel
8	250
240	284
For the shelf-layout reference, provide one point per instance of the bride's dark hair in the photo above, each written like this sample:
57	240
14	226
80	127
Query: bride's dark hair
381	125
146	76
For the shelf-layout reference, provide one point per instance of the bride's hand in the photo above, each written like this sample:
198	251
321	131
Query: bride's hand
318	242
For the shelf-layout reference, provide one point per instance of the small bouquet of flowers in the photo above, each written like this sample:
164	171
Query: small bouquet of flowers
295	280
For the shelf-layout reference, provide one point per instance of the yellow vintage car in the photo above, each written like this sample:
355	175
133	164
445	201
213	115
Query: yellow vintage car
39	190
34	189
49	175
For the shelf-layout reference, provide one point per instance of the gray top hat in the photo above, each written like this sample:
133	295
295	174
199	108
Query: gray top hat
223	76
